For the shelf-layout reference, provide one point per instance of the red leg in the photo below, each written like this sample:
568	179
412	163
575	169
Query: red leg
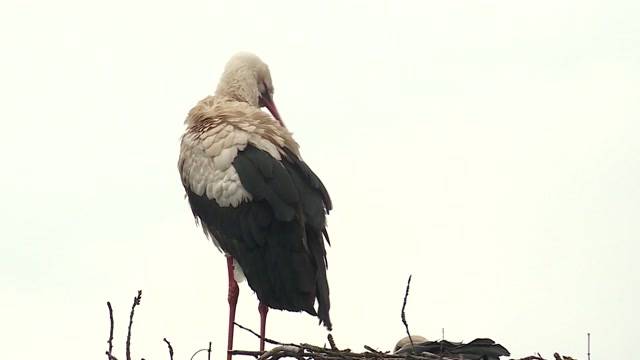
234	291
262	309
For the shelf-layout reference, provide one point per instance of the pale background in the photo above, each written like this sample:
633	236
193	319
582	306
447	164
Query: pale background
489	148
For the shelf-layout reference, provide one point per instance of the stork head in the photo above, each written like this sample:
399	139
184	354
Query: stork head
246	78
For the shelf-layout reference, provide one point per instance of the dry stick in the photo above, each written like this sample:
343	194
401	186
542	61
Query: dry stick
201	350
266	339
197	352
338	353
111	357
403	317
255	354
372	350
110	341
170	348
332	342
136	301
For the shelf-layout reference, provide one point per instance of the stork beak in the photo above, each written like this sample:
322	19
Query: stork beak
267	101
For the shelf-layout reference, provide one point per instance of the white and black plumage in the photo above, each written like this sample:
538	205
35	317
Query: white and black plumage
477	349
253	194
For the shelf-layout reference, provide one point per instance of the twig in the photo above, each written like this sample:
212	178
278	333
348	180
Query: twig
255	354
403	317
282	351
170	348
136	301
332	342
372	350
273	342
197	352
110	341
111	357
201	350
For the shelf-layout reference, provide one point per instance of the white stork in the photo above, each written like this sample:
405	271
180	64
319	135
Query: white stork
254	196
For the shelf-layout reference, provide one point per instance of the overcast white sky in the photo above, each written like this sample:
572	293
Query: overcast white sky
489	148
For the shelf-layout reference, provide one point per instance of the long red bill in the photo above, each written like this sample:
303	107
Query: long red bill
268	102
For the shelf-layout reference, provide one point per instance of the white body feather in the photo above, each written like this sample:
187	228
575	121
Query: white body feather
218	131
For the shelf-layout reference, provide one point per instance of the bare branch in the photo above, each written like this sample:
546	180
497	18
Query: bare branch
372	350
136	302
110	341
282	351
255	354
404	318
197	352
170	348
272	342
332	343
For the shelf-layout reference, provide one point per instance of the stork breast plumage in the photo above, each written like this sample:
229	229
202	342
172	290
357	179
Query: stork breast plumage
209	147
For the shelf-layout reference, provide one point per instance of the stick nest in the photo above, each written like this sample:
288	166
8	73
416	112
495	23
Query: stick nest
312	352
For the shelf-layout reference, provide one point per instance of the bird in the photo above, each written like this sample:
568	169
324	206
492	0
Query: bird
254	196
477	349
407	341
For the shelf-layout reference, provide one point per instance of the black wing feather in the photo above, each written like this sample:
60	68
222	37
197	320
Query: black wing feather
277	238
